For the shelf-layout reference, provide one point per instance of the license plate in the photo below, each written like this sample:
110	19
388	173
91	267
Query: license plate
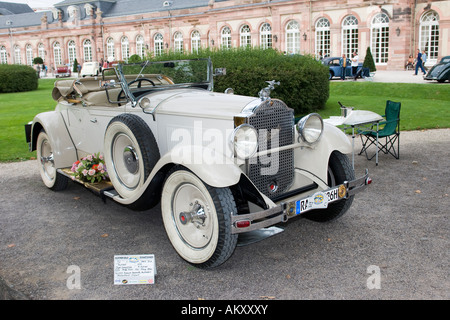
319	200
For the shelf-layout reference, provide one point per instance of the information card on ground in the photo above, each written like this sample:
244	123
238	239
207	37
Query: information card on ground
134	269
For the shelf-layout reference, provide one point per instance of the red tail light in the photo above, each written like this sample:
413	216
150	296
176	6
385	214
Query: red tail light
243	224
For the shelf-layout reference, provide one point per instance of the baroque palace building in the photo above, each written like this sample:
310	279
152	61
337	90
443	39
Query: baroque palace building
116	29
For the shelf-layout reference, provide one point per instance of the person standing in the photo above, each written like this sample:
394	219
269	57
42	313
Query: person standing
424	59
419	63
343	64
355	62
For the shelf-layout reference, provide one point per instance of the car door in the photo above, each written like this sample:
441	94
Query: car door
87	126
337	69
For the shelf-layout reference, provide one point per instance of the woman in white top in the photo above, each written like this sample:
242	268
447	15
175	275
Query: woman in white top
355	61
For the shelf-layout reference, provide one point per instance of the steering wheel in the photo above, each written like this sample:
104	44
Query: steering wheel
119	97
140	82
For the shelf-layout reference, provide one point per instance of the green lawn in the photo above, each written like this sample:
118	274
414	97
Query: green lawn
424	106
16	109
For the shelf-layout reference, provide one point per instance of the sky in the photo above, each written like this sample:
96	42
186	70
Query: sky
35	3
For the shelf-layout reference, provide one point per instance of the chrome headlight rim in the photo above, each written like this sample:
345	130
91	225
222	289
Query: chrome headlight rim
252	133
306	126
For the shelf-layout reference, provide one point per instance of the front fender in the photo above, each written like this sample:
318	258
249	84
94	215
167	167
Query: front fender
314	160
64	151
213	168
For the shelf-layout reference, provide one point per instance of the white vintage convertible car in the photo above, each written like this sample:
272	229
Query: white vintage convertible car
220	164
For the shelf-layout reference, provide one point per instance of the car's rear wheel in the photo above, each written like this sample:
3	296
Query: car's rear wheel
330	75
339	170
197	219
131	153
44	152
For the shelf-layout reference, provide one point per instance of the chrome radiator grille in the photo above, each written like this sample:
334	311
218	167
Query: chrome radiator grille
273	174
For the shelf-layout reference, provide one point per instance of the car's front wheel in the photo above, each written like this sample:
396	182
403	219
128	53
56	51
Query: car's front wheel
339	170
197	219
44	153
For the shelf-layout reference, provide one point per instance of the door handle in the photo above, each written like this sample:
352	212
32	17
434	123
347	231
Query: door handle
94	120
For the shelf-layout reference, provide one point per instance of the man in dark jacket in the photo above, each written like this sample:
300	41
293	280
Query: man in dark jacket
419	63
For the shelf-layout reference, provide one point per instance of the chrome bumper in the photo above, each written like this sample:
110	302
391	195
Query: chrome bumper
286	210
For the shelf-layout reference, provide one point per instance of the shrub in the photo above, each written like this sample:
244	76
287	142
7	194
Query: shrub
134	59
368	61
38	60
304	84
17	78
75	65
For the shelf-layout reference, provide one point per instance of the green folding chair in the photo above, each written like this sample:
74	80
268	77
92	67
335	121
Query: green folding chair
388	135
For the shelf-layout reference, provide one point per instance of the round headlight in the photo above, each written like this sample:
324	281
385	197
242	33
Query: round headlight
244	141
310	128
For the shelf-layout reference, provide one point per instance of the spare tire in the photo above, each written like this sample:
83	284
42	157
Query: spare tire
131	152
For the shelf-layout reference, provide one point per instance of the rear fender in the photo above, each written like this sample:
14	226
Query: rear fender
64	151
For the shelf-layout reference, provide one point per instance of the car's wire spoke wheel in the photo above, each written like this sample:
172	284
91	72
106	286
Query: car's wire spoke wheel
197	219
131	153
44	152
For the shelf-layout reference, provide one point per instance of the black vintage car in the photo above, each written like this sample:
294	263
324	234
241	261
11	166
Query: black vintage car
440	71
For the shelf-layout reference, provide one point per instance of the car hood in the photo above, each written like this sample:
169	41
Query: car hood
199	103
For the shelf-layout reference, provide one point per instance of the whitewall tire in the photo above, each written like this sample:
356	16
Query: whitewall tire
197	219
44	153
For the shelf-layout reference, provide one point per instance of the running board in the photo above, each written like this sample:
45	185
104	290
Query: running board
103	188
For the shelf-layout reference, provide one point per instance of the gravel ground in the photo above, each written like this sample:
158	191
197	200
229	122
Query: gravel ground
399	227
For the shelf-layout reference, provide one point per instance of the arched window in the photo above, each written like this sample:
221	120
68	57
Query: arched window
140	46
293	37
125	45
17	55
178	42
29	54
349	35
57	56
158	44
225	38
380	38
195	41
72	51
3	55
41	51
245	36
110	50
265	36
429	36
87	49
323	43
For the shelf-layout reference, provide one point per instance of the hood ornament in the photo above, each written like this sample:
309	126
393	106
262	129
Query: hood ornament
264	94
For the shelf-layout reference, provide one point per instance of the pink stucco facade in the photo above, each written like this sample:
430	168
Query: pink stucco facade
393	29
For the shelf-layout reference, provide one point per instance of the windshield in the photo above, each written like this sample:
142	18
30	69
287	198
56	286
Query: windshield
138	79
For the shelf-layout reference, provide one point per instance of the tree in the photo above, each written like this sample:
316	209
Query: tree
368	61
75	65
38	60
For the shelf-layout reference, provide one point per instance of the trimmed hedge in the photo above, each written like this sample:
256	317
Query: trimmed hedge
17	78
304	84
